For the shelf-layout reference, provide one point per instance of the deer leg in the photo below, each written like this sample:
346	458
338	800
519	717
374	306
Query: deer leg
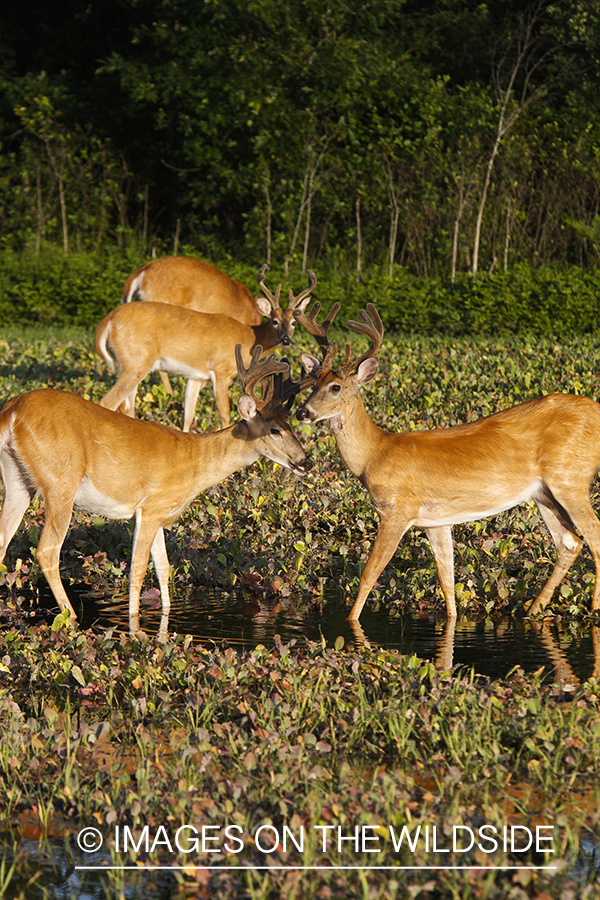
164	379
146	539
221	389
388	537
128	405
440	538
582	514
192	389
566	541
17	498
124	391
162	568
58	518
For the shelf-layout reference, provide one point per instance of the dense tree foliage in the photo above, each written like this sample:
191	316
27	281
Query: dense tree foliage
442	136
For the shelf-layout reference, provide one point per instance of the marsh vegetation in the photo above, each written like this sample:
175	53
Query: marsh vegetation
99	730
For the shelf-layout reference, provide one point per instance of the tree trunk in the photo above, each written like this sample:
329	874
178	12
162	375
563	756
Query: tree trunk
307	226
298	221
63	214
507	238
482	202
358	242
145	226
40	220
395	211
269	220
306	235
309	189
463	195
393	238
454	249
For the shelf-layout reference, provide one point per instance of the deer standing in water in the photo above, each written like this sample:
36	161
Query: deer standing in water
546	450
77	454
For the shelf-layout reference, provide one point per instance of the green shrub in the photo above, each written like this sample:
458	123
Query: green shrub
53	289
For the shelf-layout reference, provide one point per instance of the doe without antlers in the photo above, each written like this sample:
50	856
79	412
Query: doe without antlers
546	450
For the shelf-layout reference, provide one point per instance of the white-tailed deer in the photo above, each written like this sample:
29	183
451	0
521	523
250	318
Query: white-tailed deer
144	337
546	450
194	284
76	454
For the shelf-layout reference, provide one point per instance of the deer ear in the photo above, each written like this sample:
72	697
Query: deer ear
246	407
302	306
311	363
367	370
263	306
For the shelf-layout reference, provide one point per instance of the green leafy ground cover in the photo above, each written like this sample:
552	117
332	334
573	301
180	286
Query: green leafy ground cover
101	731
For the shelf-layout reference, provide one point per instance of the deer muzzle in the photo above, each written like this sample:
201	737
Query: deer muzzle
303	414
301	468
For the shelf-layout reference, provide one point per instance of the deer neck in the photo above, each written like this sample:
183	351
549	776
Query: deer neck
228	451
357	435
265	335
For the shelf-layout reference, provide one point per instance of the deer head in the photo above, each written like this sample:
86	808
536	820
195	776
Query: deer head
336	388
282	320
266	414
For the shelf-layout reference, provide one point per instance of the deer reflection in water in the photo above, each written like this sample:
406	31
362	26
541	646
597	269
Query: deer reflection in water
445	647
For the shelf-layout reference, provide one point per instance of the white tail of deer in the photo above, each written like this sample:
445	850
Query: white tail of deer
144	337
546	450
194	284
76	454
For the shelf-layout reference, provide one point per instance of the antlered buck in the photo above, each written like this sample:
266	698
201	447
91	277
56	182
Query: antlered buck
546	450
194	284
77	454
144	337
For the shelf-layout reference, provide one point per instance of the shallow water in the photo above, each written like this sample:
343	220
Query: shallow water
568	650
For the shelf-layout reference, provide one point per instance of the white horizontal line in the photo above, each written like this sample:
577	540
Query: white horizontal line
312	868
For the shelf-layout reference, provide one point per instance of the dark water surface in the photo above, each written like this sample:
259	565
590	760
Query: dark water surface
568	650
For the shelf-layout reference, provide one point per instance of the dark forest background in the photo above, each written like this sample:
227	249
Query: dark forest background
426	140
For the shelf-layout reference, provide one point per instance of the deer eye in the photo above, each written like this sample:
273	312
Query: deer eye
275	431
335	388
